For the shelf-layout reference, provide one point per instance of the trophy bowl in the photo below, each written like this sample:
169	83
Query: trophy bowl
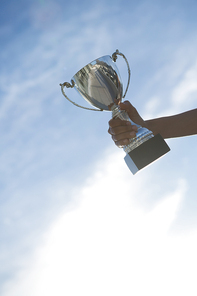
100	84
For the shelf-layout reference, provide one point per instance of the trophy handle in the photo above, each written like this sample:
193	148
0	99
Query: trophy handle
114	57
68	85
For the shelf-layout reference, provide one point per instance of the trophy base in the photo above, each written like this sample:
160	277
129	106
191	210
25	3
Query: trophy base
146	153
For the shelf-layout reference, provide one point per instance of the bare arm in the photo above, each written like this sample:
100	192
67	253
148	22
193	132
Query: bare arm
179	125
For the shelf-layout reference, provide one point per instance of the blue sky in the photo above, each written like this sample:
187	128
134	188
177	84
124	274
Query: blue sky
72	216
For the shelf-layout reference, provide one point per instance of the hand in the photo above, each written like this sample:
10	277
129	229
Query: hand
121	130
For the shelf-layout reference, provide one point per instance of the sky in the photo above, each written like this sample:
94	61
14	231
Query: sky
73	219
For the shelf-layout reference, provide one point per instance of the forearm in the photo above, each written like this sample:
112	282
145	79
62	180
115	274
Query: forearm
179	125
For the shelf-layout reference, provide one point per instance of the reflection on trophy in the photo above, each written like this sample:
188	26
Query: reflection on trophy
100	84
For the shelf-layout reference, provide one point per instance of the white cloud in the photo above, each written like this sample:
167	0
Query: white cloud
152	107
185	91
106	244
180	97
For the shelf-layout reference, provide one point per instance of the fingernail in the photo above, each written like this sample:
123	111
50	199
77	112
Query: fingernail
134	127
125	141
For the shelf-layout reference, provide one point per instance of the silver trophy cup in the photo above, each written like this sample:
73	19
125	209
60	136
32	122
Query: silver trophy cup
100	84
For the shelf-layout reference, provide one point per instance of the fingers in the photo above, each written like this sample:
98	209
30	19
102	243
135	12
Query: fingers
121	131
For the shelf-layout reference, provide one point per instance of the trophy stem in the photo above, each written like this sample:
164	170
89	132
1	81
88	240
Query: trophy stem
142	135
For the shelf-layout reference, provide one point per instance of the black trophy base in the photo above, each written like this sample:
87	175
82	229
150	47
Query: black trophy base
146	153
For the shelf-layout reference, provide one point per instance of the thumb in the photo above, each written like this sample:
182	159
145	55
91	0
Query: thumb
132	112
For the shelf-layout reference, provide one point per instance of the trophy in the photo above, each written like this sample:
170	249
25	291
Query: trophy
100	84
